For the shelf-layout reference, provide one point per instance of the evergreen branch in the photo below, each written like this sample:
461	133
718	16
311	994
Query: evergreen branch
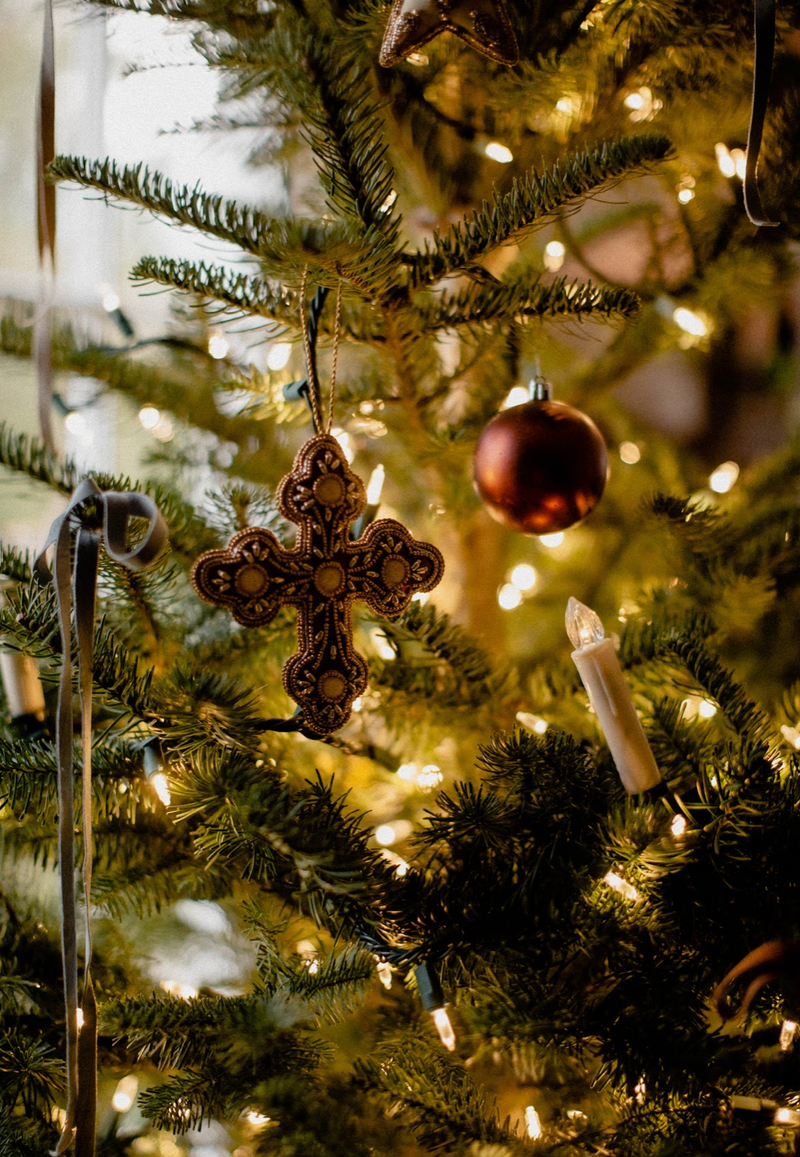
34	627
237	291
242	225
341	117
200	707
440	1101
488	304
28	455
452	674
286	246
706	532
15	564
188	1100
184	388
245	294
304	843
30	1072
331	986
28	777
748	720
533	201
175	1033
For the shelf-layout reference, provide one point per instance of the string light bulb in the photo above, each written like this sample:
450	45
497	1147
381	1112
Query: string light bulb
552	540
254	1117
432	997
724	478
498	152
517	396
678	826
149	416
554	254
125	1094
629	453
787	1116
279	355
375	484
618	884
524	577
690	322
218	346
509	597
533	1124
155	771
725	162
788	1032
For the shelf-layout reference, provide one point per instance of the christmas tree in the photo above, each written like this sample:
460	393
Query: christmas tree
284	911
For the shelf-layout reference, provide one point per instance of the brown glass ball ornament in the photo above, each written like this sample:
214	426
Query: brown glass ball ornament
540	467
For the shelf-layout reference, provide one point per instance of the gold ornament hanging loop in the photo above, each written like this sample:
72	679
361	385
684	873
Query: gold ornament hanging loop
313	382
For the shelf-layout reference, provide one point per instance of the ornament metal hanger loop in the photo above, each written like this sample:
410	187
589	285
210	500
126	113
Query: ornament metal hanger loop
309	330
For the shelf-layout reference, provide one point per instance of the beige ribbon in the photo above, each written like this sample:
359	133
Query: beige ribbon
76	589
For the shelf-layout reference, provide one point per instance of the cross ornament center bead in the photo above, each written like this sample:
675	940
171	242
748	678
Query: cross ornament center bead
322	576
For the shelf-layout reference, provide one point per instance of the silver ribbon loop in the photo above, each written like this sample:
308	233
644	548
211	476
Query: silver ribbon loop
75	592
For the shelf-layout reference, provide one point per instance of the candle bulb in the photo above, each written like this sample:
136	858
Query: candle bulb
601	674
22	688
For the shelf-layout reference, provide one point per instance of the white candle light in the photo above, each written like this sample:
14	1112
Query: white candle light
21	684
599	669
20	678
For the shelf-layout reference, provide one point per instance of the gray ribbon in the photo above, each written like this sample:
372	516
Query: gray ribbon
764	31
80	586
46	224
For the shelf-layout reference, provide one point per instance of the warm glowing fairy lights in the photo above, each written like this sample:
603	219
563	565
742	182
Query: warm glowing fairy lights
125	1094
788	1033
724	478
619	884
432	997
498	152
279	355
517	396
533	1124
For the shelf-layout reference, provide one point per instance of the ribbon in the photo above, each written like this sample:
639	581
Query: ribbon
77	588
46	224
764	32
775	960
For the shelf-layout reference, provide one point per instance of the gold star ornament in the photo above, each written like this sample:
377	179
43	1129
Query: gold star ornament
483	24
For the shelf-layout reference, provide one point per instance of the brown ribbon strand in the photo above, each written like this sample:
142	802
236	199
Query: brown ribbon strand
775	960
79	588
46	224
764	33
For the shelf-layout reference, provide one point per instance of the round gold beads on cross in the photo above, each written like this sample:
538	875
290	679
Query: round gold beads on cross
395	570
331	685
329	578
251	580
329	490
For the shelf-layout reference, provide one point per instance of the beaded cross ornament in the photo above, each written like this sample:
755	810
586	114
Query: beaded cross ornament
325	572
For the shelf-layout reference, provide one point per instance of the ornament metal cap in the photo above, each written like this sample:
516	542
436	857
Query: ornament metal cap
539	389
